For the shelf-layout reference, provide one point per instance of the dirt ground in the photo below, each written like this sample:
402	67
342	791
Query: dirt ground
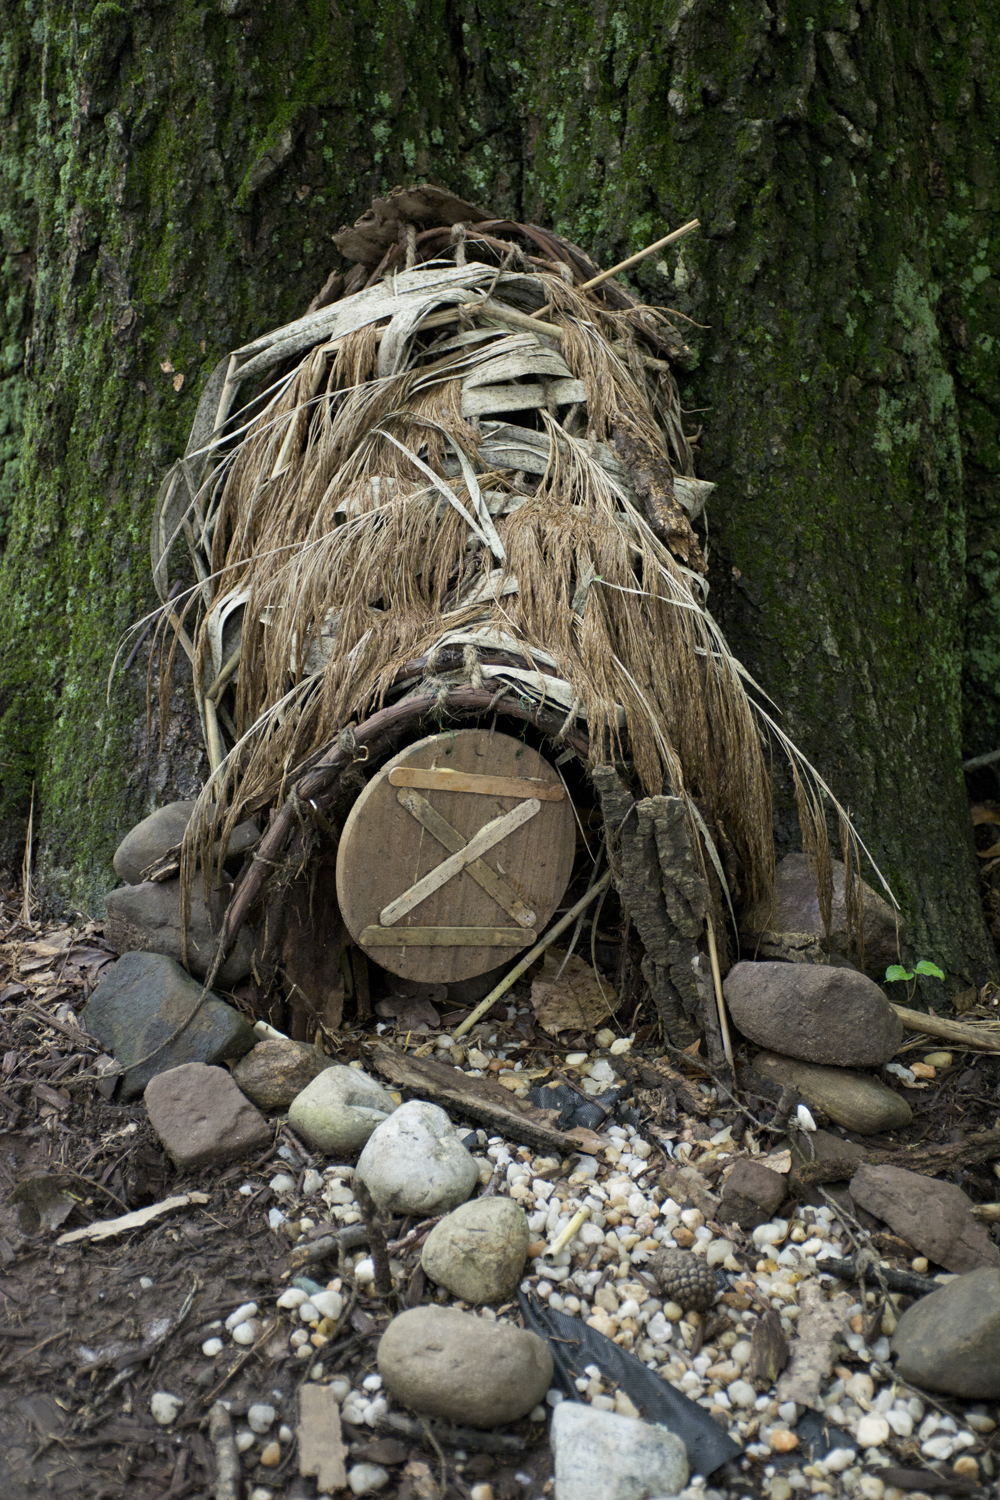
90	1330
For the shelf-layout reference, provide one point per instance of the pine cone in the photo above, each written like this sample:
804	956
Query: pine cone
685	1279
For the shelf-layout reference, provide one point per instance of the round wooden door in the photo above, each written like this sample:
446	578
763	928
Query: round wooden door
455	855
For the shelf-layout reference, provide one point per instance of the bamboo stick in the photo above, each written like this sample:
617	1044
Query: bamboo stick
984	1037
633	260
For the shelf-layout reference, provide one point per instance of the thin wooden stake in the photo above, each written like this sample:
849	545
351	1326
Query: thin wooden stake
720	1003
26	864
529	957
633	260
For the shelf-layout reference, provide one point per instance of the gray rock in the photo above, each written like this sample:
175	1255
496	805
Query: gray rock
415	1163
478	1251
854	1100
340	1108
139	1004
821	1145
815	1012
752	1194
201	1117
950	1340
464	1369
600	1455
795	909
934	1217
146	918
163	831
276	1071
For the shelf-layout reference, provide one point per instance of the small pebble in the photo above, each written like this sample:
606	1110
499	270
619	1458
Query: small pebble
260	1493
282	1183
271	1455
244	1440
938	1059
145	1283
246	1333
211	1347
919	1264
839	1459
782	1441
293	1297
246	1310
872	1432
164	1407
966	1466
366	1479
260	1417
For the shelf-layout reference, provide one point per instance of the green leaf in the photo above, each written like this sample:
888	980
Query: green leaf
896	971
926	967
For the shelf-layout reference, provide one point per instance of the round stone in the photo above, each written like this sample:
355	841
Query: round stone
478	1251
415	1162
164	1407
467	1370
340	1109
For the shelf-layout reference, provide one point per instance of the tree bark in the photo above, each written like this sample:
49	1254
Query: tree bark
172	173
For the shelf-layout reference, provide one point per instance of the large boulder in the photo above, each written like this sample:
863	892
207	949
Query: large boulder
415	1163
162	831
950	1340
815	1012
139	1005
855	1100
795	909
146	918
934	1217
466	1370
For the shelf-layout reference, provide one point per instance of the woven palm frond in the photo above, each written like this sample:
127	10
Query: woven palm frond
468	459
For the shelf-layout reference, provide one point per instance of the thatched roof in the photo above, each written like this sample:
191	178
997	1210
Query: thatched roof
460	467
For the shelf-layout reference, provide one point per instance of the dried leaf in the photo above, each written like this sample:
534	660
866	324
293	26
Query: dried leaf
574	1000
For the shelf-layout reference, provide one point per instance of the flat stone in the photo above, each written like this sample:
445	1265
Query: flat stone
201	1117
276	1071
162	831
139	1005
822	1145
752	1194
950	1340
795	909
467	1370
478	1251
934	1217
815	1012
600	1455
854	1100
146	918
340	1108
415	1163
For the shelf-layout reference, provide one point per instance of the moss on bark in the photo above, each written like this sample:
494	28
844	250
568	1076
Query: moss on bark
171	178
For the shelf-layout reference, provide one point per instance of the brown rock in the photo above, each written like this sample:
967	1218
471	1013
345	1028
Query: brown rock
202	1118
934	1216
795	909
752	1194
146	918
854	1100
275	1072
816	1012
950	1340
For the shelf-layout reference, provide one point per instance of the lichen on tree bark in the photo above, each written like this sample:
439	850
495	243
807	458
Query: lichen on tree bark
169	179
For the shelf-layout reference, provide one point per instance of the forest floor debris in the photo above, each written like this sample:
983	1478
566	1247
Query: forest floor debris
146	1363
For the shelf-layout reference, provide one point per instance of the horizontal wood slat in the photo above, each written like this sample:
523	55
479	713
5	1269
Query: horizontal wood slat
445	937
484	786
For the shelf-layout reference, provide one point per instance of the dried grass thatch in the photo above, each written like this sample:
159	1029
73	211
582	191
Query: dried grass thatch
470	470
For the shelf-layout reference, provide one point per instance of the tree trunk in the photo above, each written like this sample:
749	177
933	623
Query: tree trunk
172	174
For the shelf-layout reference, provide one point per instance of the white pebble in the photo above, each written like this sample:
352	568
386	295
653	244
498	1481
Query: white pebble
211	1347
246	1333
870	1487
860	1387
292	1297
275	1218
282	1183
308	1312
872	1431
145	1282
838	1459
938	1447
740	1353
164	1407
246	1190
901	1422
328	1304
372	1383
365	1479
246	1310
339	1388
244	1440
260	1493
742	1393
364	1271
789	1413
770	1234
717	1252
260	1416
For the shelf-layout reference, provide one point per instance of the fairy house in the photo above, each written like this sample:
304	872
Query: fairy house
447	629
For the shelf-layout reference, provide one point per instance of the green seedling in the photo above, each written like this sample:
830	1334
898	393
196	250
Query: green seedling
909	976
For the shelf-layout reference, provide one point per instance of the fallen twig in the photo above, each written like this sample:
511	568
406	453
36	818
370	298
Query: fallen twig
229	1474
983	1036
452	1437
105	1228
376	1239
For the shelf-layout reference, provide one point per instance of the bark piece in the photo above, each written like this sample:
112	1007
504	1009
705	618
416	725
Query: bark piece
480	1099
812	1350
935	1217
768	1351
659	882
321	1449
814	1012
125	1223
